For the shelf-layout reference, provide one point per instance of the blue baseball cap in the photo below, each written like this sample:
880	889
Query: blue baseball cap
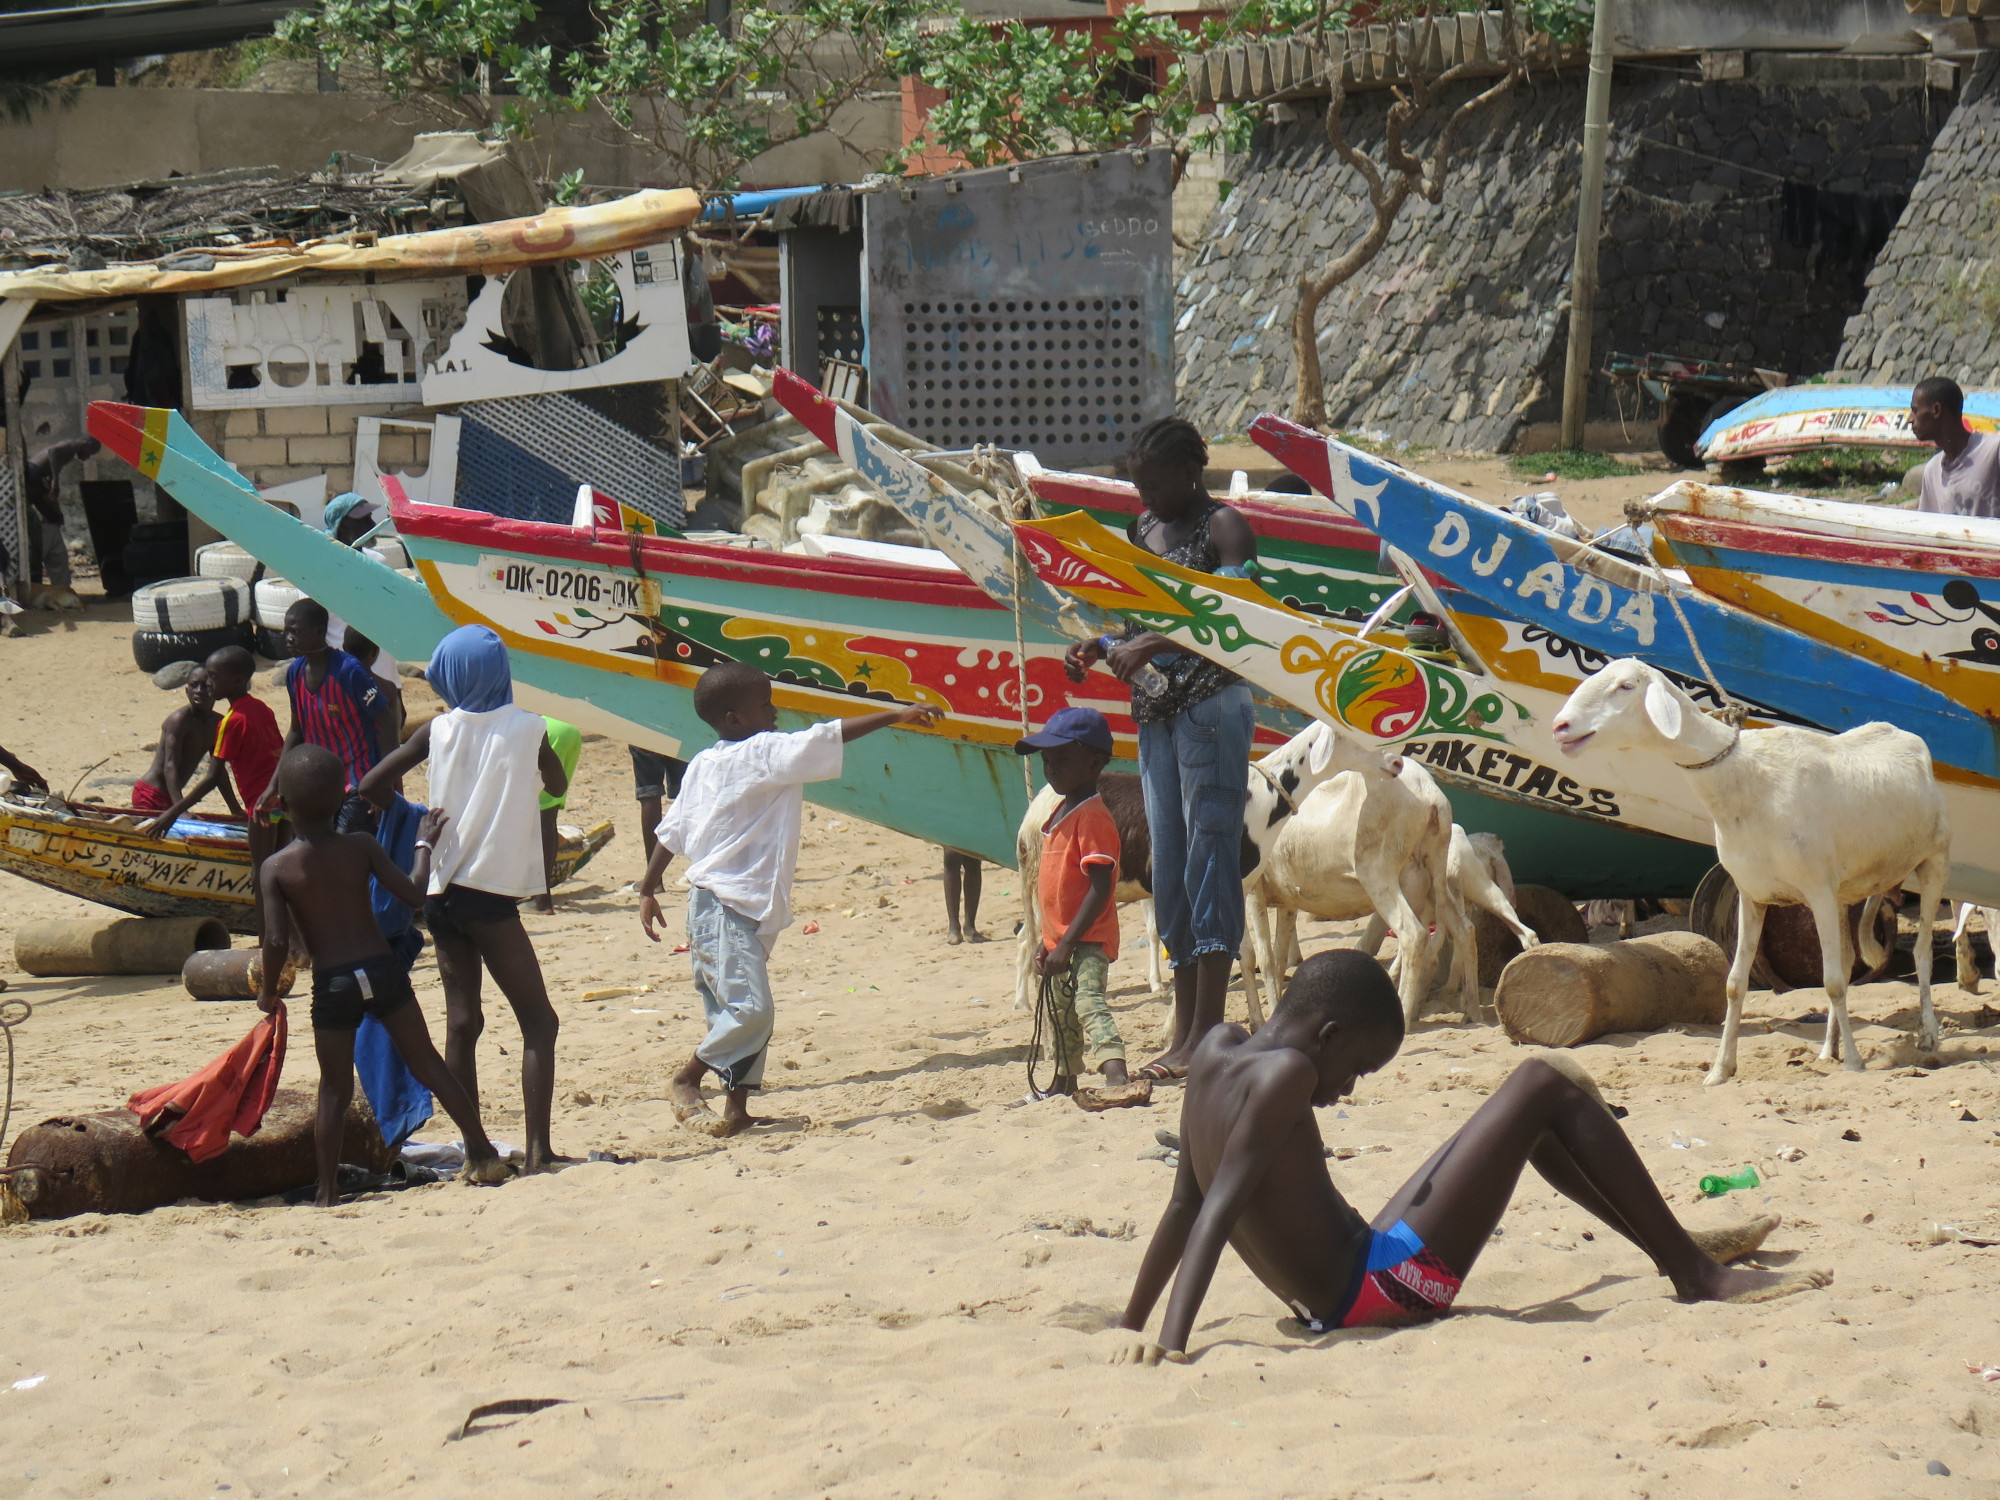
1069	726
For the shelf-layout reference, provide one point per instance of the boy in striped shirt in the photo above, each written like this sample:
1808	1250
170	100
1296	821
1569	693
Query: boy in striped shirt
336	703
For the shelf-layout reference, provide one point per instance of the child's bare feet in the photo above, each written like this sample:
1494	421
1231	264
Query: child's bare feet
974	935
1729	1284
546	1159
953	937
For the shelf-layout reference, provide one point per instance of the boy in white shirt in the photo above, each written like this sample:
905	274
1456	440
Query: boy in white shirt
737	821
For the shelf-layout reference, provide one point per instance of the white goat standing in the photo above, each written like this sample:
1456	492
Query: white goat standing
1373	841
1961	944
1800	816
1479	873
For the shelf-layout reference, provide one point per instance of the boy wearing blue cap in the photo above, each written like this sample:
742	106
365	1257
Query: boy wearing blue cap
1080	854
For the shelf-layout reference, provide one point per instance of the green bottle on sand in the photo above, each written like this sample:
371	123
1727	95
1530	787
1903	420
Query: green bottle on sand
1728	1182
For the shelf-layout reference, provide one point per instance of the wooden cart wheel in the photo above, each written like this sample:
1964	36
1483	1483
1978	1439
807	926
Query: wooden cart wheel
1788	955
1550	915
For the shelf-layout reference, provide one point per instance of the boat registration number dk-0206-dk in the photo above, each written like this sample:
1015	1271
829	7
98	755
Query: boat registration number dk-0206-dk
559	585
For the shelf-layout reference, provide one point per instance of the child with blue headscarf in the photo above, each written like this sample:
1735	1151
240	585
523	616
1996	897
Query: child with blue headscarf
489	763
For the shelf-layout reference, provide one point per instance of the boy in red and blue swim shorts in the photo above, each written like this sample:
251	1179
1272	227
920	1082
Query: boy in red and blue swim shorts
1253	1175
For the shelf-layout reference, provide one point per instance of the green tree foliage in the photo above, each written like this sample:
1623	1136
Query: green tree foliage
439	55
708	99
1013	92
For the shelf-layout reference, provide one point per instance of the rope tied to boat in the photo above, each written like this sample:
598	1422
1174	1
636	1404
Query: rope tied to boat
1584	554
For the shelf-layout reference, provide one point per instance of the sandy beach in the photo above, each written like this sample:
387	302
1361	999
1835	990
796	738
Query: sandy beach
900	1286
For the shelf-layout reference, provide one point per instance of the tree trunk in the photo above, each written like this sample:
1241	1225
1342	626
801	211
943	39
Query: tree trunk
1309	396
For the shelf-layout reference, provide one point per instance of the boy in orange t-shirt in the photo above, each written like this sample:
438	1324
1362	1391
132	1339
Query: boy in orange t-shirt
1080	852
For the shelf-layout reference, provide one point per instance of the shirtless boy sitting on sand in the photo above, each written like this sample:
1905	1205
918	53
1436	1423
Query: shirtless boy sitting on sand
1253	1175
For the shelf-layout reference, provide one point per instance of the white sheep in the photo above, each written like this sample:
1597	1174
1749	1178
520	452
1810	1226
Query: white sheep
1479	875
1368	842
1961	944
1800	816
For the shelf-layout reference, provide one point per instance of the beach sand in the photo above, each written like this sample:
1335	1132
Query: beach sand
898	1287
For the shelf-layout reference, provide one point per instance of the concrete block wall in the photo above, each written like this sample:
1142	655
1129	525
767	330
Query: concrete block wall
278	444
1933	305
1454	337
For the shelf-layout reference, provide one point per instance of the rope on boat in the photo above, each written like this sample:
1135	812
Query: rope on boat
1733	709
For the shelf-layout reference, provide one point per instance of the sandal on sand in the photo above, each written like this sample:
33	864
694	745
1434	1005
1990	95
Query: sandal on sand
705	1121
488	1171
1139	1091
1158	1072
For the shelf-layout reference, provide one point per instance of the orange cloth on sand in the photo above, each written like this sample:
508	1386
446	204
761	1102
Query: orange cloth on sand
230	1094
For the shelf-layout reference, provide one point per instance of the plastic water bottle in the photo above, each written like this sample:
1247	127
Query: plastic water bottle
1729	1182
1150	680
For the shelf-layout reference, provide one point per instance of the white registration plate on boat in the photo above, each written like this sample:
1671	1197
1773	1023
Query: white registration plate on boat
557	583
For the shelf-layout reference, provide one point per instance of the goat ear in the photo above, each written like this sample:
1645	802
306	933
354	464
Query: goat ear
1663	708
1320	755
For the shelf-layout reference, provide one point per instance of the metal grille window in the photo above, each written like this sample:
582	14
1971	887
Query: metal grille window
840	334
1029	306
1024	374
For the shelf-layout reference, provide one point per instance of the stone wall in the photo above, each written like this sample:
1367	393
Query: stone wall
1454	336
1933	303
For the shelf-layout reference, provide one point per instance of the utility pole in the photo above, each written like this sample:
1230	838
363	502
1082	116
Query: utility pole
1589	225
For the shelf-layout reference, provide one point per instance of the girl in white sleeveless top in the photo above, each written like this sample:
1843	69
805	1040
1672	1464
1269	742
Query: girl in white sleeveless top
489	763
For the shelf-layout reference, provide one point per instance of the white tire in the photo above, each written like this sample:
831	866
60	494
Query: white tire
224	560
274	597
182	606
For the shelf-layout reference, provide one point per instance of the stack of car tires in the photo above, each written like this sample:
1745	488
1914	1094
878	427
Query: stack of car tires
184	619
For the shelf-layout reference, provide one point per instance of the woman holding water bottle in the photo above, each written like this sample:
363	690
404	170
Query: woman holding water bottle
1195	721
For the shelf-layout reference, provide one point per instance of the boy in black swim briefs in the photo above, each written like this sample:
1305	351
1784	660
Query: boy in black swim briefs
320	882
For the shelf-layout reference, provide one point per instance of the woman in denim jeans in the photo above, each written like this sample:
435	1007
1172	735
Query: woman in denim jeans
1194	738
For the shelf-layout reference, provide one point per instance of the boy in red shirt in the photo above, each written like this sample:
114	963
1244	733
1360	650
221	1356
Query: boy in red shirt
1080	852
247	745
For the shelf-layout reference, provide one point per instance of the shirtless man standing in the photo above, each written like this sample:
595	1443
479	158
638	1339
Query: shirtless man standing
1253	1175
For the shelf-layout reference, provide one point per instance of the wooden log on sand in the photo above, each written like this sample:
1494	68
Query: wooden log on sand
233	975
1563	994
115	945
104	1163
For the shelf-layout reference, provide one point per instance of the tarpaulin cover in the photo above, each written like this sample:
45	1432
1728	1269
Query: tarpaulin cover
229	1095
599	229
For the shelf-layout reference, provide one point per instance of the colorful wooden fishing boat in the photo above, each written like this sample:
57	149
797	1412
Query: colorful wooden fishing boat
609	631
1534	807
1474	732
1916	593
1309	556
202	869
1590	606
1802	418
